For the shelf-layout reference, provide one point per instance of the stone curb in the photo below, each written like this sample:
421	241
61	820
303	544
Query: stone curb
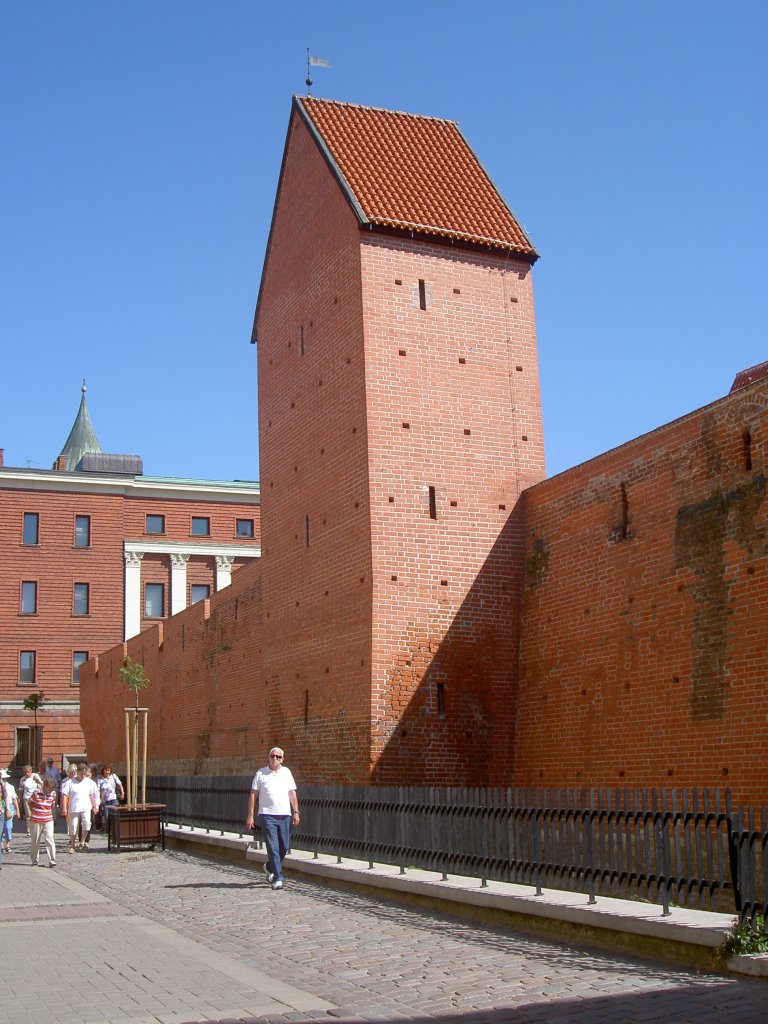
696	928
754	964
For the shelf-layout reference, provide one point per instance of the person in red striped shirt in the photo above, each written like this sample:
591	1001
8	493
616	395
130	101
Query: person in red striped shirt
42	804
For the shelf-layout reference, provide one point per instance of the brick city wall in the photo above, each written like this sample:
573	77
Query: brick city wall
644	653
208	707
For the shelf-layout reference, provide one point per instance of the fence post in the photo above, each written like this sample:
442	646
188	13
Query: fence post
732	817
589	847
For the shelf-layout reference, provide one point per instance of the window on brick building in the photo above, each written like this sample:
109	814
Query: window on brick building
27	668
78	658
82	531
201	526
81	599
28	598
155	524
199	592
154	600
31	532
244	528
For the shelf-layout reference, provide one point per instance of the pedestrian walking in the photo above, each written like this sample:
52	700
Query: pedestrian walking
5	811
52	772
29	782
82	803
64	792
42	805
275	788
12	801
111	792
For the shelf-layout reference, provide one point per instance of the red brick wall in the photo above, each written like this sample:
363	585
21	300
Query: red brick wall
453	405
208	709
314	464
55	633
645	626
56	564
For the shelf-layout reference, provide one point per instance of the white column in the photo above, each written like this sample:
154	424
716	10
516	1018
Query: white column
132	592
178	583
223	571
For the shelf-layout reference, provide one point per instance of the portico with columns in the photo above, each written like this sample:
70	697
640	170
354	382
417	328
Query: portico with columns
178	554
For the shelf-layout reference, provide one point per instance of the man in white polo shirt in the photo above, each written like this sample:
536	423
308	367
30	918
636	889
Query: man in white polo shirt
278	810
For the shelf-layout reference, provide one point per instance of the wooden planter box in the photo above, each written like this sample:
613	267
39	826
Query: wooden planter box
136	826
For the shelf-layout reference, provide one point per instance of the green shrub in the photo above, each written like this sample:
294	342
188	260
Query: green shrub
744	939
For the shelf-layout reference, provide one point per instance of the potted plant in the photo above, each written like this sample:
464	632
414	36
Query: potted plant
137	823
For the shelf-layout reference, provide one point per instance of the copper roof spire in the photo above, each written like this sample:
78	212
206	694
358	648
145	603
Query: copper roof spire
82	437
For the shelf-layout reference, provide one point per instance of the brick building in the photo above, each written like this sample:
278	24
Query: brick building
92	552
428	608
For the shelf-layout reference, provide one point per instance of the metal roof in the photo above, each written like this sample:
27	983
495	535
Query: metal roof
82	438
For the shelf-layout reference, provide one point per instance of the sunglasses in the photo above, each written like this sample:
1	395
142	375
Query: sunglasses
276	757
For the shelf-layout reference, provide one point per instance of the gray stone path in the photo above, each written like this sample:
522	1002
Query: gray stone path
150	937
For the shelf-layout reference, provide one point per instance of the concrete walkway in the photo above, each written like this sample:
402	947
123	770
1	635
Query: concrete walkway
170	937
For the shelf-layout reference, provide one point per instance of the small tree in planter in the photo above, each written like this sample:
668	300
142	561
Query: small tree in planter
132	674
139	823
34	703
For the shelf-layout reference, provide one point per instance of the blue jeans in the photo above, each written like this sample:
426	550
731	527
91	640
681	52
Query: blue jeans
276	829
105	812
8	830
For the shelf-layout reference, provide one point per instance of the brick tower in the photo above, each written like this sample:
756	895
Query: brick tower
399	421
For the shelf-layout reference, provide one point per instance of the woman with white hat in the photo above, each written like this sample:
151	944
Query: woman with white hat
12	803
5	810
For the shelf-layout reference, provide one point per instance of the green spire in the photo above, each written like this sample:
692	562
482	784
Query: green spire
82	437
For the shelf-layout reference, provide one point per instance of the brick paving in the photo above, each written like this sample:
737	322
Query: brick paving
147	937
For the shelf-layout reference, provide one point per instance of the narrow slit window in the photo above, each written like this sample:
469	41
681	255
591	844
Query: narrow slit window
306	706
302	340
306	531
441	700
747	450
624	512
432	503
422	293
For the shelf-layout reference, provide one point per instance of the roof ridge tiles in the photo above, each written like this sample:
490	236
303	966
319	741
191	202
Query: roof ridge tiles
377	110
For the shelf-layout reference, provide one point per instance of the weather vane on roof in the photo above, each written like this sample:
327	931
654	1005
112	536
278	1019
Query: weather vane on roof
314	62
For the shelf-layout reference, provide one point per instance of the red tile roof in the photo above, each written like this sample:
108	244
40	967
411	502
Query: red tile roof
412	173
749	376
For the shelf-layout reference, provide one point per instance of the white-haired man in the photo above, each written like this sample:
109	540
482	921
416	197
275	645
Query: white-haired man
278	810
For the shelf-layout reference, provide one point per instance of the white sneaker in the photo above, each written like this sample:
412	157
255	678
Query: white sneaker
277	885
270	874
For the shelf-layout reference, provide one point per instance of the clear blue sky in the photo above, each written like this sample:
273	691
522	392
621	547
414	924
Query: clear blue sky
140	144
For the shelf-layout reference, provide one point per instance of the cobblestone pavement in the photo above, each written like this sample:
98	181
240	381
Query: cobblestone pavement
175	938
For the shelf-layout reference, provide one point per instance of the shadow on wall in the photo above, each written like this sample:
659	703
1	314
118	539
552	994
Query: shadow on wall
447	716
